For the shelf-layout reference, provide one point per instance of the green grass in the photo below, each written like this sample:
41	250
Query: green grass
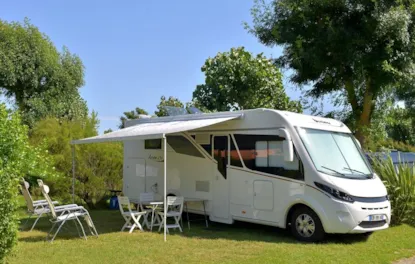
239	243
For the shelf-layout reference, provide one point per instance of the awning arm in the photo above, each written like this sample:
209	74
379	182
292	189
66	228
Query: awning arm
165	185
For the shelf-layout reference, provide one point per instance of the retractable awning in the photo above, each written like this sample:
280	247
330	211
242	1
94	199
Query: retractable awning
152	130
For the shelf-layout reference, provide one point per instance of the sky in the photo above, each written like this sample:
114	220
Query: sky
136	51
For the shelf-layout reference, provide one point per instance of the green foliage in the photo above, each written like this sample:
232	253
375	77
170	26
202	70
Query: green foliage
239	80
98	166
171	101
17	159
400	125
132	115
361	48
400	183
42	81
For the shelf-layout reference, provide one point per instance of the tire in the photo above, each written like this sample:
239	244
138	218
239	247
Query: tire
312	230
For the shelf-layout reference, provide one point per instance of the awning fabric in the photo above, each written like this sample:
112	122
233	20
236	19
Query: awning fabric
153	130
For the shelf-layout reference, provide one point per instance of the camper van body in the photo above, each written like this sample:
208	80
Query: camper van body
241	168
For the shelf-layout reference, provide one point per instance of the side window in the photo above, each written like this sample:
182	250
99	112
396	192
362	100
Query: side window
152	143
220	153
183	146
208	147
265	153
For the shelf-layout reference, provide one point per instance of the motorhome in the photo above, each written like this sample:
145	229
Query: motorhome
263	166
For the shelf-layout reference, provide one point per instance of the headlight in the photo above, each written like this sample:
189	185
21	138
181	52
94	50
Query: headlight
335	193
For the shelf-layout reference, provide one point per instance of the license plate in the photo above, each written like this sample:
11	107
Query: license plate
376	217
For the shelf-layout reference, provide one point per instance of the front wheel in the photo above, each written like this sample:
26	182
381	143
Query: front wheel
306	225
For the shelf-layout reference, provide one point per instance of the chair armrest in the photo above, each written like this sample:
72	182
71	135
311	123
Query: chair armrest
65	206
70	209
43	203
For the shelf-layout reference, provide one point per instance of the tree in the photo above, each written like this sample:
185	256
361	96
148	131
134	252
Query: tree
17	159
98	166
42	81
360	48
171	101
239	80
132	115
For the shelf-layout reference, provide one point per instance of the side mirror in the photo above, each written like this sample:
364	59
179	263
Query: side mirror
287	145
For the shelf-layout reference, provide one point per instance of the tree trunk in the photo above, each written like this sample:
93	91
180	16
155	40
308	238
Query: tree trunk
365	114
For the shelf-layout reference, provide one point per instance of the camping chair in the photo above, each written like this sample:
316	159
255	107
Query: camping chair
174	210
148	217
129	215
38	207
66	214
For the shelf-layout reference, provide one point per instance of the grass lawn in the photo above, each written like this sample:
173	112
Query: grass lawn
239	243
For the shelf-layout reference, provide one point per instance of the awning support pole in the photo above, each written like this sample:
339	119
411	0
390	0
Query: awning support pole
165	186
73	173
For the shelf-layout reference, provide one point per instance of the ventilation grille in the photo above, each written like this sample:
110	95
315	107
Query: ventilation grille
202	186
372	224
374	208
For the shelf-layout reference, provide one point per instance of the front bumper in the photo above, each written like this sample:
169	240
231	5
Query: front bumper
355	217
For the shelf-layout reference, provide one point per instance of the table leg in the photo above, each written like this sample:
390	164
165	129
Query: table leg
152	217
187	214
204	210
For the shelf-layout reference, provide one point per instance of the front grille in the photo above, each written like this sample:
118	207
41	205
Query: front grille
370	199
372	224
374	208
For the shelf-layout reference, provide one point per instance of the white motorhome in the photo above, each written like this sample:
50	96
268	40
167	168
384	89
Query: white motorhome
262	166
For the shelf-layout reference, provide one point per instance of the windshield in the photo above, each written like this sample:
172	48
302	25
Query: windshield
335	153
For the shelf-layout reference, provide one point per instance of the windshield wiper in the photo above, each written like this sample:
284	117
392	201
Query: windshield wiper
354	170
367	175
334	171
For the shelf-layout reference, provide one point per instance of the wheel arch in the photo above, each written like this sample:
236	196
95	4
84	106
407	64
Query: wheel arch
298	204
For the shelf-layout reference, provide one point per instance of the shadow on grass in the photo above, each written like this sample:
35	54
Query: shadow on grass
107	221
256	232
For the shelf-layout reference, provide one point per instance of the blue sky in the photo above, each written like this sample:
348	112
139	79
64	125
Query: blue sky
136	51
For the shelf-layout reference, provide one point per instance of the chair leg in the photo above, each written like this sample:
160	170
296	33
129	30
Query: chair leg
177	219
57	231
132	228
137	222
161	223
82	228
127	223
37	219
50	231
91	224
77	229
27	220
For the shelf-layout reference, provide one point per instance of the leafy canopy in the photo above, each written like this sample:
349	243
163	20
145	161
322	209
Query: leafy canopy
42	81
239	80
171	101
356	47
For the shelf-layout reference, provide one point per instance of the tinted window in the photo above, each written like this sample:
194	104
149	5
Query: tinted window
220	153
265	153
152	143
181	145
208	147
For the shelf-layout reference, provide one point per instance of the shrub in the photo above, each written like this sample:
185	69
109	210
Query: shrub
399	180
98	166
17	159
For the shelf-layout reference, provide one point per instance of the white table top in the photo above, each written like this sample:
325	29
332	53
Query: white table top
153	203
